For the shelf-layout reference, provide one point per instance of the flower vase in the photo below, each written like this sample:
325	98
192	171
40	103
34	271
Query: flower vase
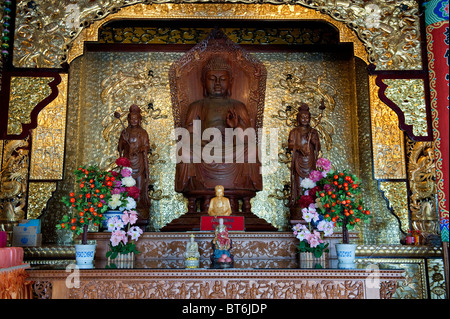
84	255
122	261
108	214
346	255
309	261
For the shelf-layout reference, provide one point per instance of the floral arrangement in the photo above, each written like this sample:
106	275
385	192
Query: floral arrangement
124	192
123	238
89	203
311	235
340	203
330	198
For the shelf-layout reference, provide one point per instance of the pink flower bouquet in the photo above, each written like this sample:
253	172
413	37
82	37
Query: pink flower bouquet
312	232
123	234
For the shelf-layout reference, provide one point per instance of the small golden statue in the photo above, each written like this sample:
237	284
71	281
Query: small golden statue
219	205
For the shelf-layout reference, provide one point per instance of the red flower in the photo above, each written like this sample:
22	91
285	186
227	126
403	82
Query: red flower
123	161
114	173
305	201
133	191
313	191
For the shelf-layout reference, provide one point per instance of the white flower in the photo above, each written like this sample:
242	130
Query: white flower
301	235
128	181
306	214
135	232
115	201
112	223
321	225
129	203
307	183
326	226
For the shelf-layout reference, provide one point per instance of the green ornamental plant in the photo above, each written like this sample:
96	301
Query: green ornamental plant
89	203
340	201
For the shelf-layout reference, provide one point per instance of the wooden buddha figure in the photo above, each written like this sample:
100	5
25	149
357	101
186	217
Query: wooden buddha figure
304	142
134	144
218	89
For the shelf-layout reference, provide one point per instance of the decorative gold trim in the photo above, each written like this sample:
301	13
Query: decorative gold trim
213	11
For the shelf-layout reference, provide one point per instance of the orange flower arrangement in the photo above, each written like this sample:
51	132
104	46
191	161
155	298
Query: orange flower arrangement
89	203
340	202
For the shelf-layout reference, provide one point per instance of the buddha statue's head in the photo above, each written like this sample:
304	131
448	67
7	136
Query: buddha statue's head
219	190
303	115
217	78
134	116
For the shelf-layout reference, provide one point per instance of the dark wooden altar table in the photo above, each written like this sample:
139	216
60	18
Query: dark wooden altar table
150	280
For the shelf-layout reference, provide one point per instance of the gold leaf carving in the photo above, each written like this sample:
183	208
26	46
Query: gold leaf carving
38	195
388	149
49	138
385	33
409	96
26	93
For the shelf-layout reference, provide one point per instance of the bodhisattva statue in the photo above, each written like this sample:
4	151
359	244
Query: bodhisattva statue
134	145
305	145
218	110
219	205
221	242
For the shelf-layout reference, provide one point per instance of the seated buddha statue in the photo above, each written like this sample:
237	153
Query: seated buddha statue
219	205
217	110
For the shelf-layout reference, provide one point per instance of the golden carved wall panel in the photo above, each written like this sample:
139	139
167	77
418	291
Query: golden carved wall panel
385	33
388	149
436	277
25	94
13	181
48	138
409	96
422	199
38	195
415	284
397	195
383	227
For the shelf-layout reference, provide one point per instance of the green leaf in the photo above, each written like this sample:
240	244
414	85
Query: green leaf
317	253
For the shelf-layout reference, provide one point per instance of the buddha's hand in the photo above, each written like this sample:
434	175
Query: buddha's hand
232	119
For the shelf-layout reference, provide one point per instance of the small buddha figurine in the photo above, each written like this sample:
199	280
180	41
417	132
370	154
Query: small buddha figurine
219	205
191	255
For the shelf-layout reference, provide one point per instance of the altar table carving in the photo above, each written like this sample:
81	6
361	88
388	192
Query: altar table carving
220	284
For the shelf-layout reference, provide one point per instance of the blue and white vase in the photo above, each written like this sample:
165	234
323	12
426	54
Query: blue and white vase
346	255
84	255
108	214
